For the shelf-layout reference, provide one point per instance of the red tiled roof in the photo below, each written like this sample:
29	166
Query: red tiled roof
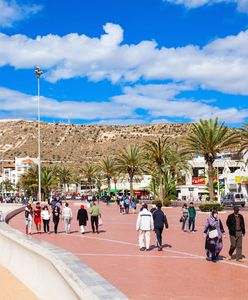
9	166
27	161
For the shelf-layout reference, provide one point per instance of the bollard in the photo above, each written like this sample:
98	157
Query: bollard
1	216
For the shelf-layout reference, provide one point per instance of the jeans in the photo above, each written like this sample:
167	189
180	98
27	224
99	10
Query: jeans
158	232
46	225
184	222
192	222
56	224
94	223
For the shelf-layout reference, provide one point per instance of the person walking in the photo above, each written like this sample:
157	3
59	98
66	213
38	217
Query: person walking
95	214
45	215
127	204
185	215
144	226
67	217
82	217
192	215
29	218
37	217
134	205
56	216
122	208
160	221
153	209
236	226
213	236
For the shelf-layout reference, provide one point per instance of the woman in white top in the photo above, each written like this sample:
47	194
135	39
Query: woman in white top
45	215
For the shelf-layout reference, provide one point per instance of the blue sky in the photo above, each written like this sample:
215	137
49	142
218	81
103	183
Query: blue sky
125	61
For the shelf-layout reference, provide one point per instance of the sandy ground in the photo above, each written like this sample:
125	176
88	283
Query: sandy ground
12	288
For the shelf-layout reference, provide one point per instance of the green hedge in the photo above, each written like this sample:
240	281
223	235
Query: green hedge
210	206
166	202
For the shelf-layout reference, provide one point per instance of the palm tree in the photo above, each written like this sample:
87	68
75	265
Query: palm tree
244	138
64	175
131	161
156	153
49	181
8	186
29	180
178	162
88	172
107	167
76	179
209	138
170	184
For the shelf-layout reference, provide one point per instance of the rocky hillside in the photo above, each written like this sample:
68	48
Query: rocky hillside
74	144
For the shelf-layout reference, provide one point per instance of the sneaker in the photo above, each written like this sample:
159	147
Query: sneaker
241	260
142	249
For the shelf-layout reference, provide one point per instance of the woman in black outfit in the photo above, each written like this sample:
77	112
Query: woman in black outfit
56	215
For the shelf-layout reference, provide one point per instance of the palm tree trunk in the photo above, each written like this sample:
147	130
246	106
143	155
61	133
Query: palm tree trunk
210	181
161	188
109	186
131	185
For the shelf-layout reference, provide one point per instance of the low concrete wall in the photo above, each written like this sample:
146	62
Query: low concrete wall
50	272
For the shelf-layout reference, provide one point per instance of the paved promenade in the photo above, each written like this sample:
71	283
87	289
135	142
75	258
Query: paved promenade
178	272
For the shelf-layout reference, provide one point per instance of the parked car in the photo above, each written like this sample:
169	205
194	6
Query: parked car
232	199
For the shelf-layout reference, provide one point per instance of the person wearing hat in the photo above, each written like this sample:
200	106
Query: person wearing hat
213	234
82	217
236	226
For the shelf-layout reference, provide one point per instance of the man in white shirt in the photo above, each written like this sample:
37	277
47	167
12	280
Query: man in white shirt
144	225
67	216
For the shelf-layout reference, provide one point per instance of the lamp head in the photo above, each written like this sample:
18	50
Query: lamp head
38	72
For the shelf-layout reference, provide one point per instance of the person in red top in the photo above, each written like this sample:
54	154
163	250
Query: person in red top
37	217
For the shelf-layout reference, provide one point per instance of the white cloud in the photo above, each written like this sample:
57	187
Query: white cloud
157	100
242	5
221	65
11	12
167	104
19	105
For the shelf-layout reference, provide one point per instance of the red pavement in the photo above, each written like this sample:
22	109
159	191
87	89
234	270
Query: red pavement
178	272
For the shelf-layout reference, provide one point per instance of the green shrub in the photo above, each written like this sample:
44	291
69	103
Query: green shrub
167	202
209	206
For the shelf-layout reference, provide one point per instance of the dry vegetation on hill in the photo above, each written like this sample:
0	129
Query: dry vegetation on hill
74	144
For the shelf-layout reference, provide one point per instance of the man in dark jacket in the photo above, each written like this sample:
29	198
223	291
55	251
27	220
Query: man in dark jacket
236	225
82	217
160	221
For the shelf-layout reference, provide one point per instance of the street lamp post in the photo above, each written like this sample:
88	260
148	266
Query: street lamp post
38	73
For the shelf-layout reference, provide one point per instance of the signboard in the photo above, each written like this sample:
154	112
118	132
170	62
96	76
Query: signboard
244	179
198	180
202	180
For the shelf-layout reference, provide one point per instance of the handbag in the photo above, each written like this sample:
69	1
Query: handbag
100	221
213	234
181	219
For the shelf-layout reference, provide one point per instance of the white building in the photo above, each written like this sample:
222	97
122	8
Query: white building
12	172
230	171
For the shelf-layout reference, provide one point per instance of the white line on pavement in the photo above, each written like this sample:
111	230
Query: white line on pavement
167	250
